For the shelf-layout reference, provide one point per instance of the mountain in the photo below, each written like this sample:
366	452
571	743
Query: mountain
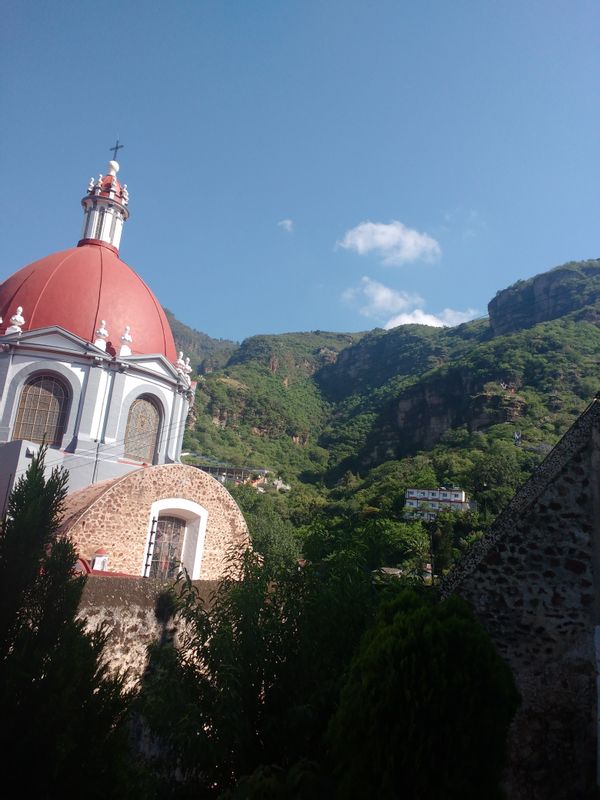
319	405
206	353
264	408
546	296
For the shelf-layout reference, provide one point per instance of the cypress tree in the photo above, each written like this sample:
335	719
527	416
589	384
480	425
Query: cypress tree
63	715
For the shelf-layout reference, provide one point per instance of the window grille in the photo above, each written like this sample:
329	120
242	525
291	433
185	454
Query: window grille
168	541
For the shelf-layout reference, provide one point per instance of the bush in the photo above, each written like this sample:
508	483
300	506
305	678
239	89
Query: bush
426	708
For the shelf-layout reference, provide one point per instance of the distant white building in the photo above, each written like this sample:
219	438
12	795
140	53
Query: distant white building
427	503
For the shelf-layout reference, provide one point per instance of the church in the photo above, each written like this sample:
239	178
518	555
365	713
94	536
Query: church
88	365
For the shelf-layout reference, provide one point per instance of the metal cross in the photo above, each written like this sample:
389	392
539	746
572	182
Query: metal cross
115	149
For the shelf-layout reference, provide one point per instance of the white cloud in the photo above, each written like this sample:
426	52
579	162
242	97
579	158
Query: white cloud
446	318
287	225
393	242
377	301
466	222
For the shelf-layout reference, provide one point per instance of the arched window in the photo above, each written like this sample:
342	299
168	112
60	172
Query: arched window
176	532
141	433
168	543
42	411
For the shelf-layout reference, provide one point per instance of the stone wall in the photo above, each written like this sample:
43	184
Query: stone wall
128	609
115	515
532	581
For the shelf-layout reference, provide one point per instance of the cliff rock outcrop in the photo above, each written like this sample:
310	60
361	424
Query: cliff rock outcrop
544	297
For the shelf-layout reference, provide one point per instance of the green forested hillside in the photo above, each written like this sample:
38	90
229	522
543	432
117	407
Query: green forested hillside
361	416
264	409
205	352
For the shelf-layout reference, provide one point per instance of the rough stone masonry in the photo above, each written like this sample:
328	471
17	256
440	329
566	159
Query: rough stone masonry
532	580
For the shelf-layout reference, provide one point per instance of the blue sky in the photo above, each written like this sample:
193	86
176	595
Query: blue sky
332	165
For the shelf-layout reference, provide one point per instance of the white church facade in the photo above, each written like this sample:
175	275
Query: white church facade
88	365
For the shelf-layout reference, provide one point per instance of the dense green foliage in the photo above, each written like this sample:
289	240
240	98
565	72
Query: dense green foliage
249	704
319	674
62	714
426	707
257	676
274	535
360	418
246	703
264	408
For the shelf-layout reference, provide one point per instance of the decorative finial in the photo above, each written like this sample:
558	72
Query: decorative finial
126	340
16	322
101	336
186	372
113	168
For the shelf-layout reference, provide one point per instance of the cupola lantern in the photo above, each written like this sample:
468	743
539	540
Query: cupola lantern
105	209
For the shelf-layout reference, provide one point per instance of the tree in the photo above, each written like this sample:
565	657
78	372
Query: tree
257	674
60	708
426	707
272	535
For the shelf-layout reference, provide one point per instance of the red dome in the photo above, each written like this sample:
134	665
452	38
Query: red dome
77	288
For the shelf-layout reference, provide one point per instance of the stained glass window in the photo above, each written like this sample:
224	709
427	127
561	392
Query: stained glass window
42	411
141	433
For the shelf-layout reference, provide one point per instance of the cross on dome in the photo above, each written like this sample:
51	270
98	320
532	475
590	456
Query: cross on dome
114	150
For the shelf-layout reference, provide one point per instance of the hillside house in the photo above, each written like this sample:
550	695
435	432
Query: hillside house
427	503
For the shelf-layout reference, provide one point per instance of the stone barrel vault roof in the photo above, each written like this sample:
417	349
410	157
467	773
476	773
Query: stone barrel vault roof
114	515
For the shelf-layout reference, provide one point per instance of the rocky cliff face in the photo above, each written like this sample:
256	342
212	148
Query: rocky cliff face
420	416
380	356
544	297
293	355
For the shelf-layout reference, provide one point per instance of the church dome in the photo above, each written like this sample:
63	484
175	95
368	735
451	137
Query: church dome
87	289
79	288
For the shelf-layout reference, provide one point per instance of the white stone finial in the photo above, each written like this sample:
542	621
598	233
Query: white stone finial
186	371
113	167
16	321
180	363
101	336
91	185
126	340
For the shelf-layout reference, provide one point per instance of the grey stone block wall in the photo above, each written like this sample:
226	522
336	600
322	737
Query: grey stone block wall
533	581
